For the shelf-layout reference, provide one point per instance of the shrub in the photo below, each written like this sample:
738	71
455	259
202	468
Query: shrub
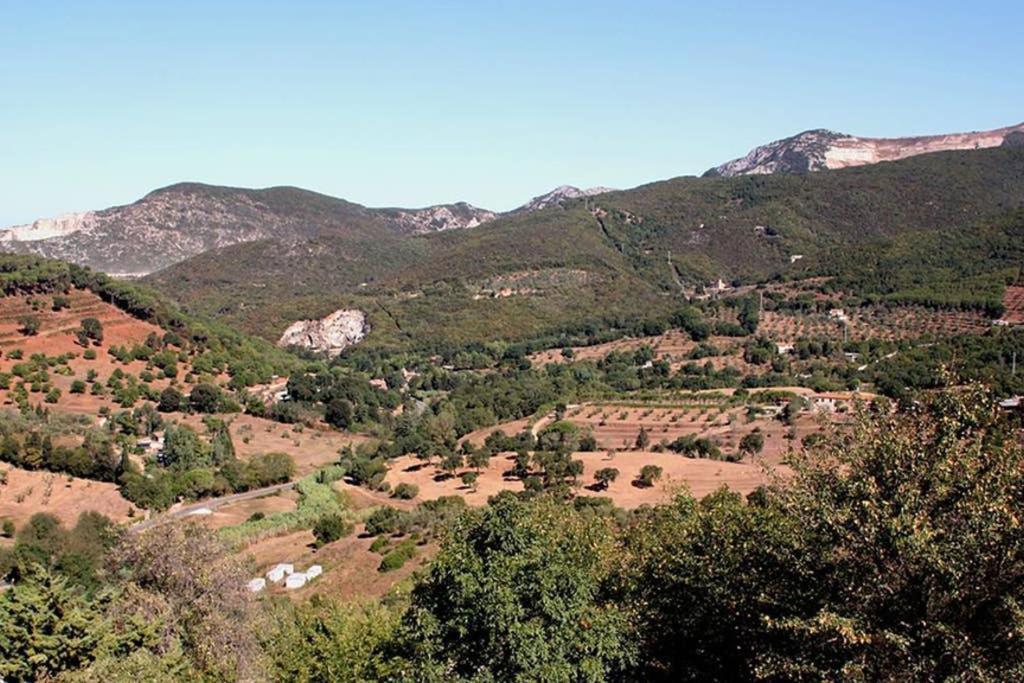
28	325
405	491
396	559
330	528
648	475
605	476
386	520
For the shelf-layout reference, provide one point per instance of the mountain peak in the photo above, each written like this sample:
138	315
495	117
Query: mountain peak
559	195
822	149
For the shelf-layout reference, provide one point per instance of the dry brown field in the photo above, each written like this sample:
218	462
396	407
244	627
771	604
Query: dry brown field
28	492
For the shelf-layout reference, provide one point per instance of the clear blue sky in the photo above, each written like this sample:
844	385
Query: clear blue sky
414	103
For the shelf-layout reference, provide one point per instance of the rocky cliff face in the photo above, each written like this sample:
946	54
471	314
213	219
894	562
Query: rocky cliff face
330	335
818	150
457	216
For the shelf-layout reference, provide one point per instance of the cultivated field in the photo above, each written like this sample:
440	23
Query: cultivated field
906	322
1013	301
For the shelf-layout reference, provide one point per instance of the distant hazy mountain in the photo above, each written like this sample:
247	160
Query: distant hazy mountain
177	222
819	150
559	195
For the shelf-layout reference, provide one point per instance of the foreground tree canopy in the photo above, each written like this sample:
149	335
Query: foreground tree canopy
893	552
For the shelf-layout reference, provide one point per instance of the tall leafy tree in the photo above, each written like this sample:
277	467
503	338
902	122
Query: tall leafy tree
518	593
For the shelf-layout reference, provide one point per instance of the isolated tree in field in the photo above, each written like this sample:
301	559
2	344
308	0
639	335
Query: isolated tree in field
451	463
605	476
386	520
28	325
469	479
91	329
60	302
643	439
752	443
479	459
648	475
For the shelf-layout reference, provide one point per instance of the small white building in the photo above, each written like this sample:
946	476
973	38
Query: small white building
153	444
826	403
296	580
256	585
313	572
838	314
719	286
279	571
784	348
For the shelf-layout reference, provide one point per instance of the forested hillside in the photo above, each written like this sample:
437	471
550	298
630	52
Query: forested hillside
628	254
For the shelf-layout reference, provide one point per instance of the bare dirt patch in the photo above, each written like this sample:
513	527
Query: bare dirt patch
699	476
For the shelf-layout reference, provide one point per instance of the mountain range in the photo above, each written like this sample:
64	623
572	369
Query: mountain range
174	223
264	259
